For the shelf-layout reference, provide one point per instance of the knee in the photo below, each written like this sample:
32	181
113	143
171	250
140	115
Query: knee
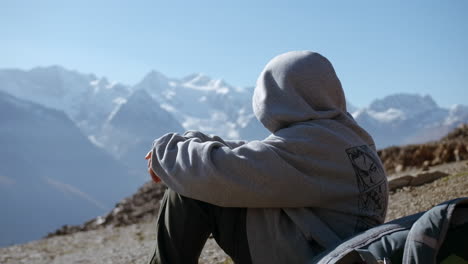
174	198
179	202
171	202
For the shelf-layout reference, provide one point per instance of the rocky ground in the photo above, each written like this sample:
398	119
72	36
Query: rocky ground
126	234
412	199
113	245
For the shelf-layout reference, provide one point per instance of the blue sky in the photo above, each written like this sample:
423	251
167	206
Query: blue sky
377	47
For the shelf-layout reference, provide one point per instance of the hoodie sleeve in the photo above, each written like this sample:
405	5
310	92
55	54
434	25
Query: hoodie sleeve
251	175
205	138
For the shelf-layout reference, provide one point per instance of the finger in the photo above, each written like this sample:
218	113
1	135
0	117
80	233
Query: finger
153	175
148	155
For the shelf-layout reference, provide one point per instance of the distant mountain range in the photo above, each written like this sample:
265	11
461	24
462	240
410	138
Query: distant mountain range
200	103
403	119
73	140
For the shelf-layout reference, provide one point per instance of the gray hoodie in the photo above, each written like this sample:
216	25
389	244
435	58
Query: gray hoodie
313	182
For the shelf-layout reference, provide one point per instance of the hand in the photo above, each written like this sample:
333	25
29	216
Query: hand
150	171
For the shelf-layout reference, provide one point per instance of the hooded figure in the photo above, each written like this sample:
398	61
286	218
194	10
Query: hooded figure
315	181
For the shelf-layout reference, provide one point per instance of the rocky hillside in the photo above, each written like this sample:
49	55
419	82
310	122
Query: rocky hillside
141	207
453	147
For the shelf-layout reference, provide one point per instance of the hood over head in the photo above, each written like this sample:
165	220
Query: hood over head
295	87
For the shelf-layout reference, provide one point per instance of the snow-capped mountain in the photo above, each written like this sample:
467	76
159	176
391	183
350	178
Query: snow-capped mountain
52	86
198	102
85	98
50	174
131	128
408	118
201	103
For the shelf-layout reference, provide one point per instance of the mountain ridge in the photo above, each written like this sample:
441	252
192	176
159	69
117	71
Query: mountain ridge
406	118
195	101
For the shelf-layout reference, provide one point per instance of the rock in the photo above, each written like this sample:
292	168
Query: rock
460	133
399	182
414	179
399	168
427	177
425	166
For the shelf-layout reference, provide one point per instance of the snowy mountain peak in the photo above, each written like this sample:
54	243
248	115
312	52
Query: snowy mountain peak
199	79
155	76
138	101
134	124
388	116
457	114
154	81
190	77
53	86
101	83
221	86
203	82
56	76
409	104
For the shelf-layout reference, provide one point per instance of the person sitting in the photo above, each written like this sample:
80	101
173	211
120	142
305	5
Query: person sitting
315	181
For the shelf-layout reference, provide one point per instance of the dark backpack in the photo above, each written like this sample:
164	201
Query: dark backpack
439	235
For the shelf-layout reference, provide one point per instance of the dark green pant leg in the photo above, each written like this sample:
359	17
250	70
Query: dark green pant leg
182	229
184	225
229	231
